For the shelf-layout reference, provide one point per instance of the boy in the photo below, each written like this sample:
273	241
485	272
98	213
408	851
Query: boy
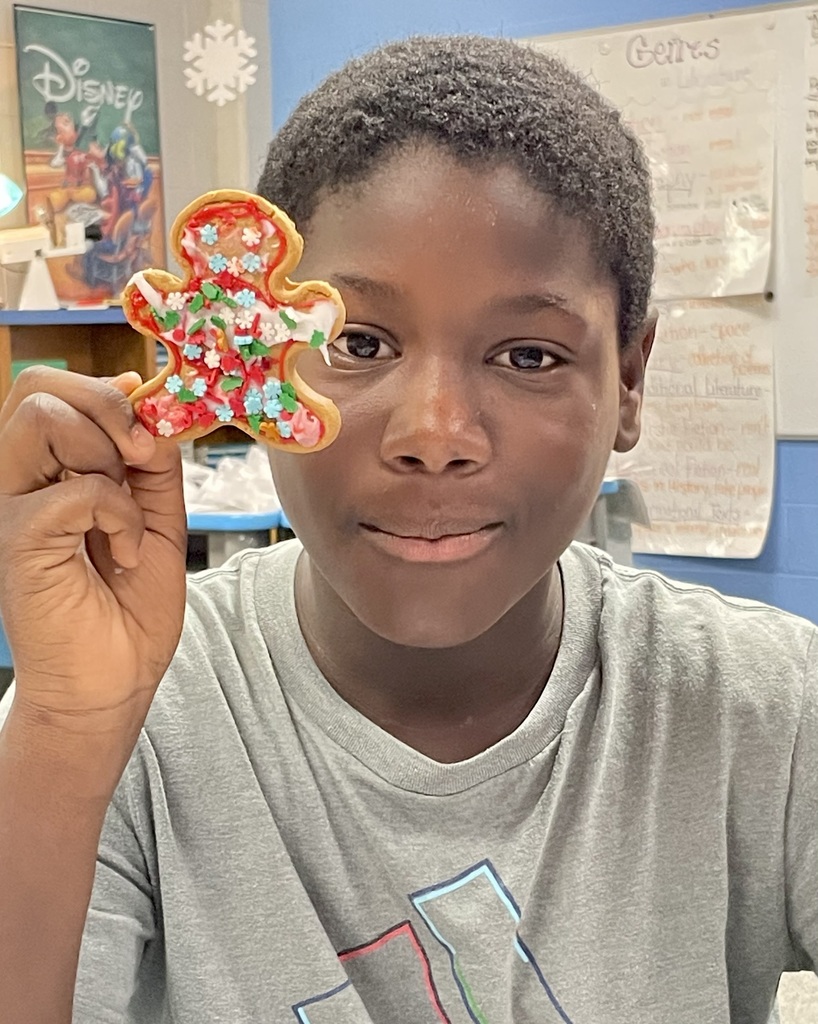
440	764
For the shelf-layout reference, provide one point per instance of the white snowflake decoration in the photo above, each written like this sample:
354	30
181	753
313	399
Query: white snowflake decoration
220	66
274	332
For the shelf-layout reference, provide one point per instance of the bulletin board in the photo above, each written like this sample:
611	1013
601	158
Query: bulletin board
727	108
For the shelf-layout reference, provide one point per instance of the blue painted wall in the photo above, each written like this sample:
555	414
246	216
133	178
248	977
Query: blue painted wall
310	38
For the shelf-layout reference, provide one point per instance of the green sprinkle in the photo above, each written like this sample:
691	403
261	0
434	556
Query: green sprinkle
288	320
186	395
255	422
287	389
231	383
229	302
196	326
197	303
258	348
318	338
289	403
210	290
218	322
166	321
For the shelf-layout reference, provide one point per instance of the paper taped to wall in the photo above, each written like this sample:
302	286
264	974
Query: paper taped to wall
706	458
701	97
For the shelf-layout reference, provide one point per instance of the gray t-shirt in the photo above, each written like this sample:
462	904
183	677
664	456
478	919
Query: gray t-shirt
643	849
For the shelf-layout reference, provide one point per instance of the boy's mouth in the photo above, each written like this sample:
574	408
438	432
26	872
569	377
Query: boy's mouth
436	542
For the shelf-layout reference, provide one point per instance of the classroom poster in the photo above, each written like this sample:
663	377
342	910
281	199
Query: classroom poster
706	458
90	124
701	96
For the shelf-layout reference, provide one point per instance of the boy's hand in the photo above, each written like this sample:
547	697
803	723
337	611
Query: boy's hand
92	549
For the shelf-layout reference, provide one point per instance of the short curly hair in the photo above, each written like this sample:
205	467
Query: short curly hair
484	100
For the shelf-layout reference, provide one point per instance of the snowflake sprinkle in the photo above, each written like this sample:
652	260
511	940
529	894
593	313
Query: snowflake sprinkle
251	236
253	401
217	263
209	234
176	301
212	359
272	407
251	261
224	412
174	384
246	297
244	320
164	428
274	332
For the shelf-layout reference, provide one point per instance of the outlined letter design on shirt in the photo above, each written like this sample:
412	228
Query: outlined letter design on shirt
473	918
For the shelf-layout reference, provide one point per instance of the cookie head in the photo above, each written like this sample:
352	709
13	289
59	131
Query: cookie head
234	328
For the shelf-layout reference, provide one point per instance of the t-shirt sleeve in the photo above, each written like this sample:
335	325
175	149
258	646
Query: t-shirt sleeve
120	928
801	851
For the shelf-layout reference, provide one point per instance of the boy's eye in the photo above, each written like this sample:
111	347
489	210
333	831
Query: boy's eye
524	357
361	345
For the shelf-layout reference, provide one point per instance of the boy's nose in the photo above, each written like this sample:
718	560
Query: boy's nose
434	425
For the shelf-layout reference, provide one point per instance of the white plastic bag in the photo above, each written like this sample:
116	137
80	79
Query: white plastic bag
235	485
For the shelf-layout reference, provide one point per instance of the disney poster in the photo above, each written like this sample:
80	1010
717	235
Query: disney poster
90	123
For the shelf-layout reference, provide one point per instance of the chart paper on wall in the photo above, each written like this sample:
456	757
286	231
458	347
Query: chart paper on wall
701	96
706	457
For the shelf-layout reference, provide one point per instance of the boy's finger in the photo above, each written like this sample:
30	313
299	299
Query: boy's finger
126	382
105	405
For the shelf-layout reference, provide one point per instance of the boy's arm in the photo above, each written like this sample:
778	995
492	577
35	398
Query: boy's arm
52	815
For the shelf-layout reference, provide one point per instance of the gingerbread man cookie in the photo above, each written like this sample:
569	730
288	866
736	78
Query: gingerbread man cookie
234	328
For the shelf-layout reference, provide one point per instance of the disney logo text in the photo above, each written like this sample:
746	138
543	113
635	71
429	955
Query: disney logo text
59	82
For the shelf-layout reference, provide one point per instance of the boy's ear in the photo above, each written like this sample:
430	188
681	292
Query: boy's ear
633	359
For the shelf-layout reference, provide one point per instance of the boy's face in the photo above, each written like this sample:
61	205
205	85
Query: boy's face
481	388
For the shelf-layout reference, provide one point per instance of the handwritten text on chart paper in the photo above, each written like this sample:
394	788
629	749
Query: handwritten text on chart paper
703	103
705	460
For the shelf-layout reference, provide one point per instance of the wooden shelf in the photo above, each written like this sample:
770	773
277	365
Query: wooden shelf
97	342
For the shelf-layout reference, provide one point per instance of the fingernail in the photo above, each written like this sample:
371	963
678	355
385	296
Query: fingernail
141	436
